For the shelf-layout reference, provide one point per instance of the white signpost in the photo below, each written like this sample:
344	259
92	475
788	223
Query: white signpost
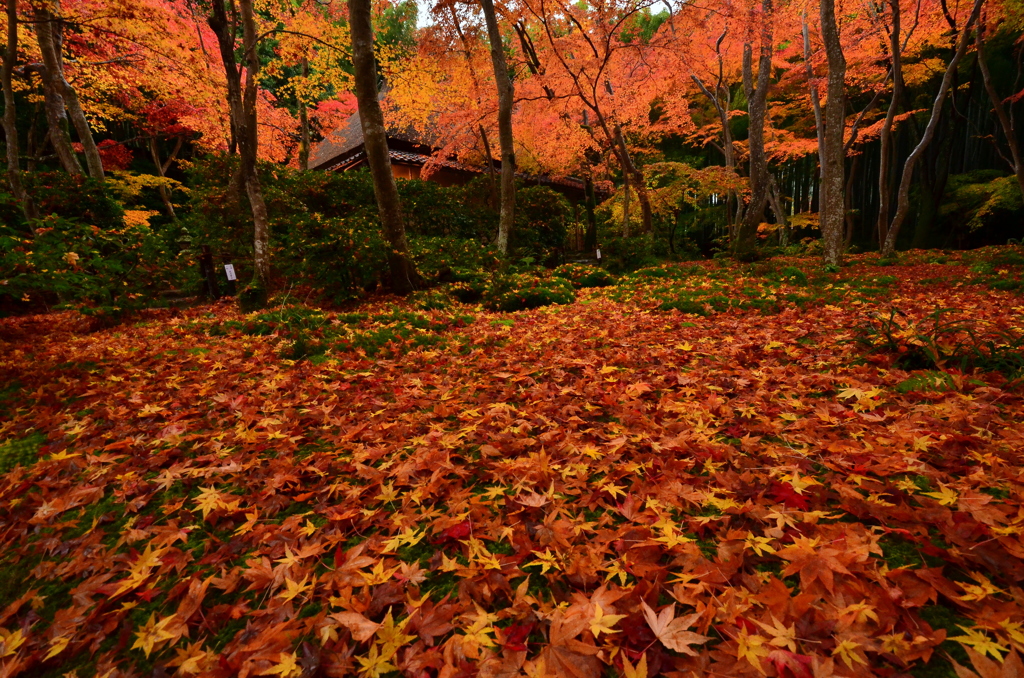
229	270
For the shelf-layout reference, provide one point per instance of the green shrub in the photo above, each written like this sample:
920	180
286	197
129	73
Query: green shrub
1006	285
105	272
519	292
793	276
582	275
22	452
542	215
74	197
622	255
690	306
431	300
440	257
937	342
309	332
926	381
341	256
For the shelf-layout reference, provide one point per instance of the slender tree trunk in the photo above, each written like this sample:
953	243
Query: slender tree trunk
590	240
775	199
886	152
242	106
832	184
10	118
376	144
728	149
161	169
629	167
304	124
745	243
903	196
49	34
56	116
625	204
492	184
1004	119
819	123
848	203
249	146
505	140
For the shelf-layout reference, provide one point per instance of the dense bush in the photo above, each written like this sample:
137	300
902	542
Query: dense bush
519	292
74	197
100	269
983	207
340	256
444	257
582	275
622	255
542	216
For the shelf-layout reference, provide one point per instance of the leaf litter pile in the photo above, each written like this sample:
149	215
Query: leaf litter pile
818	476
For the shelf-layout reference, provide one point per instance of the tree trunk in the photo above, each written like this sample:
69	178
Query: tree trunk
508	157
1004	119
590	241
728	149
376	144
10	123
903	196
161	169
819	123
492	184
49	34
304	124
745	244
56	116
639	183
832	185
887	153
242	107
625	204
848	203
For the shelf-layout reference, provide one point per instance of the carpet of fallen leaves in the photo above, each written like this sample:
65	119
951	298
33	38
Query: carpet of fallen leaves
598	489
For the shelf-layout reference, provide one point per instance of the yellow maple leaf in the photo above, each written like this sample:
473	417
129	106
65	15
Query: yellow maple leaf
982	590
947	497
980	642
57	646
751	648
10	641
759	545
670	536
847	651
189	659
782	636
209	500
546	560
615	570
376	664
286	667
378	575
602	623
391	634
293	589
154	633
629	671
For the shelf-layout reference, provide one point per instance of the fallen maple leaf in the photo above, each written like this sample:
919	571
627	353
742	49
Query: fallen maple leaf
672	632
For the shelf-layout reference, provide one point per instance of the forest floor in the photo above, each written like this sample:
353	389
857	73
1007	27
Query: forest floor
811	473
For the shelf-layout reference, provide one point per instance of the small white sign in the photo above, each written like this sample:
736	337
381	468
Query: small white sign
229	269
599	255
